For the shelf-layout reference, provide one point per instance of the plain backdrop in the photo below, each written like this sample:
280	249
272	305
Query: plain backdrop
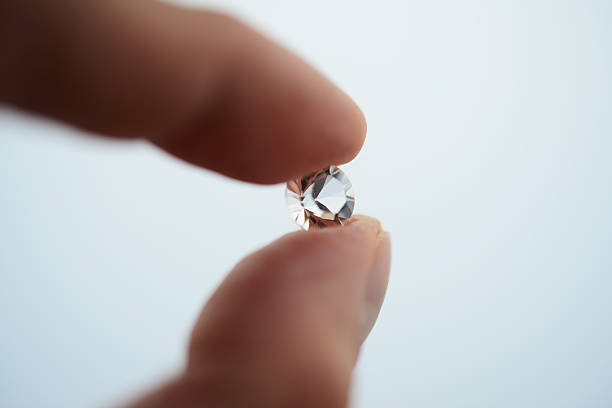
487	158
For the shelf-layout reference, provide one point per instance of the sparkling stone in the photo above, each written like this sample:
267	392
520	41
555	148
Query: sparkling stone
321	199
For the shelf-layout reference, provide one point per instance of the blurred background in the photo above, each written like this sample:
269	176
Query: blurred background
487	158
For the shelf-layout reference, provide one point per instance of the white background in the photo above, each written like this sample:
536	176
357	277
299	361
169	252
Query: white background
487	158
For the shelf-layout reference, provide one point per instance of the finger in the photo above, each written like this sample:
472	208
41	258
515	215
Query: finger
285	328
201	85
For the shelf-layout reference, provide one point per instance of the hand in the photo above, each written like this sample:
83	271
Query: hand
285	328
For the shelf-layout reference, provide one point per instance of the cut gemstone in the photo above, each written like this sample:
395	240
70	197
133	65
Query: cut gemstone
321	199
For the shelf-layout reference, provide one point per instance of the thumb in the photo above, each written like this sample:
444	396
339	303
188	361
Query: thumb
284	329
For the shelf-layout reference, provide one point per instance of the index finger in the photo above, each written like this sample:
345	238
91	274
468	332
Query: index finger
200	85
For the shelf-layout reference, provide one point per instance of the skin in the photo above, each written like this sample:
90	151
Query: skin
285	327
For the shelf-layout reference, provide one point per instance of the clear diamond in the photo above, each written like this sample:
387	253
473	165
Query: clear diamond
321	198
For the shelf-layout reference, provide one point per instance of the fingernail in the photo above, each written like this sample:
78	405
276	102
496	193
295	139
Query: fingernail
376	284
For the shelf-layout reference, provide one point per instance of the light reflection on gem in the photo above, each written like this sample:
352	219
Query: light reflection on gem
321	199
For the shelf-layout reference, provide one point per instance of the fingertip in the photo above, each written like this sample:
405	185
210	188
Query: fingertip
275	117
307	297
366	223
347	130
357	134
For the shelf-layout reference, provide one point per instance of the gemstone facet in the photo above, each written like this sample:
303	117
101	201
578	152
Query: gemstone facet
321	199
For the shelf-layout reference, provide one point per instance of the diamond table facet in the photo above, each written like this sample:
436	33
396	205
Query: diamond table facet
321	199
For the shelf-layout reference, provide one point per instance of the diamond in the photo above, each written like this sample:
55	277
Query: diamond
321	199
